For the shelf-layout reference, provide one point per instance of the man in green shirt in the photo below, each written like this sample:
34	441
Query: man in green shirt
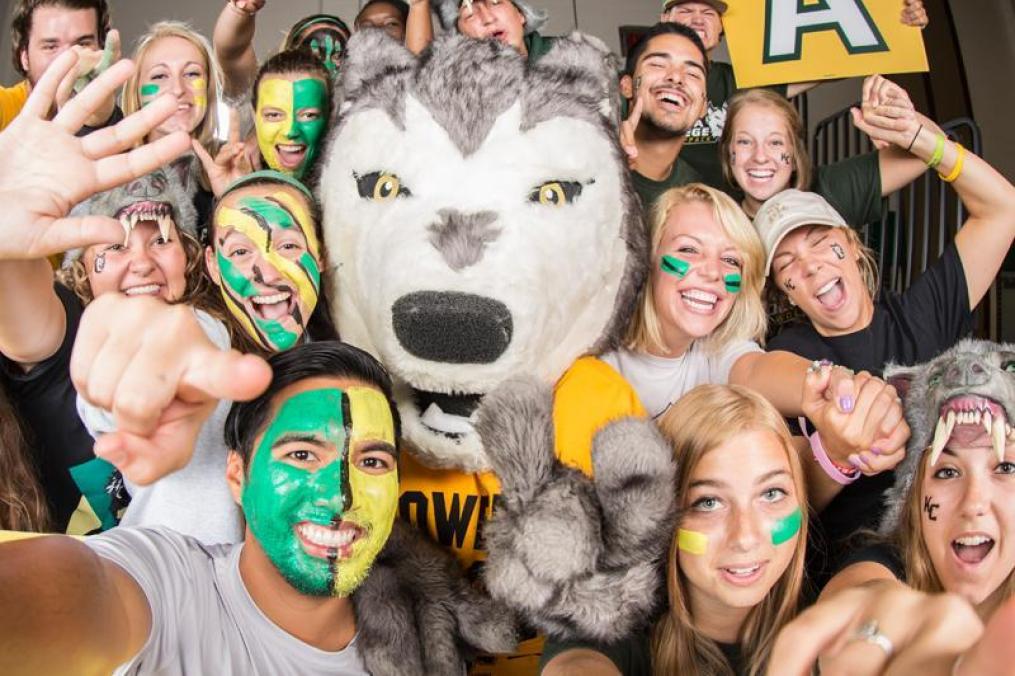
664	84
513	22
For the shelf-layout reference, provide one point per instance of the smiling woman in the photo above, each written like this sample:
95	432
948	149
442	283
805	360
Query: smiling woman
736	561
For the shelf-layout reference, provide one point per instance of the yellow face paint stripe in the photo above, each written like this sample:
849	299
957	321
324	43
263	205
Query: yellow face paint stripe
302	218
371	415
692	542
200	88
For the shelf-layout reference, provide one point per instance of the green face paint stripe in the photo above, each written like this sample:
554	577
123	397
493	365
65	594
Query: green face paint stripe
309	93
279	336
234	278
148	91
692	542
733	282
312	269
786	529
269	333
675	266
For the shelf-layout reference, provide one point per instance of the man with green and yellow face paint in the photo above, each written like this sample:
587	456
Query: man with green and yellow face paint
322	489
326	581
265	257
290	121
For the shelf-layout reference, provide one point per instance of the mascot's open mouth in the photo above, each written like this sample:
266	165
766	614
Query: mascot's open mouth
450	415
967	418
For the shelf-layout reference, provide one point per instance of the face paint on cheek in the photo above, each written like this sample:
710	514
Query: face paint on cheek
148	93
930	507
308	94
200	87
280	498
100	262
675	266
328	46
785	159
785	529
838	251
790	285
374	496
733	282
692	542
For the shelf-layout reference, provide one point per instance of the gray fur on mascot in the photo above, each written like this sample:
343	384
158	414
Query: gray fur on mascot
486	240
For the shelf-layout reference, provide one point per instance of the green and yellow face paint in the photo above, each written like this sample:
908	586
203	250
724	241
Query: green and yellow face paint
322	525
269	282
290	122
149	92
328	45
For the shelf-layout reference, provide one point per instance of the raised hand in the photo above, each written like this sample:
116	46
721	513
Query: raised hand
45	170
628	128
915	14
886	114
248	7
153	367
231	162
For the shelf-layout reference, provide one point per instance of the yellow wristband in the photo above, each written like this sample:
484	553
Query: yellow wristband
957	169
939	152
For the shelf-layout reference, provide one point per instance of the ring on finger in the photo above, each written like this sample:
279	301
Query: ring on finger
870	633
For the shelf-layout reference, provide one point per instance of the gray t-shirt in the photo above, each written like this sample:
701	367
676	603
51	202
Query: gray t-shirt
660	381
203	619
194	500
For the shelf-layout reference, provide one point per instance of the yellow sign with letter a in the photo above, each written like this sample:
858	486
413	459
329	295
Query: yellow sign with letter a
785	41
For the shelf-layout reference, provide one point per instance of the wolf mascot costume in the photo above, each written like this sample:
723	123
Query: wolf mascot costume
486	239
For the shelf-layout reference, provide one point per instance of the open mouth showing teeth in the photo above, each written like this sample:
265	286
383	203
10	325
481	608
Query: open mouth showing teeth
291	155
831	294
672	100
451	415
273	307
160	213
334	539
743	572
146	290
701	300
972	548
976	412
761	174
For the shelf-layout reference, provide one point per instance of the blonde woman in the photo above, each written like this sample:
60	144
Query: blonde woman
700	320
736	563
174	58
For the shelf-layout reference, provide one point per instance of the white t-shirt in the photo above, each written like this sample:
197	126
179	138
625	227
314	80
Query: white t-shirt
195	500
203	619
660	381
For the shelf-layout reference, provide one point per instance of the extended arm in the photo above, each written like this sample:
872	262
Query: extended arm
778	376
419	28
233	40
75	612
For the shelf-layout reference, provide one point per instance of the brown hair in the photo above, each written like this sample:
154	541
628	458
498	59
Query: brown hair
747	320
75	276
23	505
21	23
701	420
802	169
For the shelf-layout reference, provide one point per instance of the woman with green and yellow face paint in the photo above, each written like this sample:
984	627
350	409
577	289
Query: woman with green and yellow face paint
265	258
736	563
292	104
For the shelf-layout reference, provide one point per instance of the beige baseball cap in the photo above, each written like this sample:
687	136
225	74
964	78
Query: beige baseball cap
789	210
719	5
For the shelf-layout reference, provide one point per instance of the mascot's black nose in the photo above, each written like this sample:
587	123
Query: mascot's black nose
453	328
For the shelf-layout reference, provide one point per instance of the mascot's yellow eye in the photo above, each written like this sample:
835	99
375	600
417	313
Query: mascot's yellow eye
380	186
556	193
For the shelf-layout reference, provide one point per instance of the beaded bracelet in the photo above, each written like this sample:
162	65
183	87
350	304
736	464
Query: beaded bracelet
957	169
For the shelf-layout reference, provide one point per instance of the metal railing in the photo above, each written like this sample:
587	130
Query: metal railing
919	221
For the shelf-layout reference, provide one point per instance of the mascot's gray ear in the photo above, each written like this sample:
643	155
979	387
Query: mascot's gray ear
371	53
901	377
585	67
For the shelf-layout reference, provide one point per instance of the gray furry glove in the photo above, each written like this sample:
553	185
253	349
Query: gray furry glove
576	557
417	615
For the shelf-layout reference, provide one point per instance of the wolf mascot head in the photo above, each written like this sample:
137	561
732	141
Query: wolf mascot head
481	222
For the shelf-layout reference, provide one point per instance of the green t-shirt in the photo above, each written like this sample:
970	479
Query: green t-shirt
853	187
649	190
701	148
538	46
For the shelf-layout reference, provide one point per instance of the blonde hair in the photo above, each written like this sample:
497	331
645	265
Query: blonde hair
802	169
747	319
205	132
920	572
701	420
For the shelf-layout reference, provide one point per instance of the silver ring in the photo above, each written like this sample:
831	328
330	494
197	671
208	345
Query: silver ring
869	632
